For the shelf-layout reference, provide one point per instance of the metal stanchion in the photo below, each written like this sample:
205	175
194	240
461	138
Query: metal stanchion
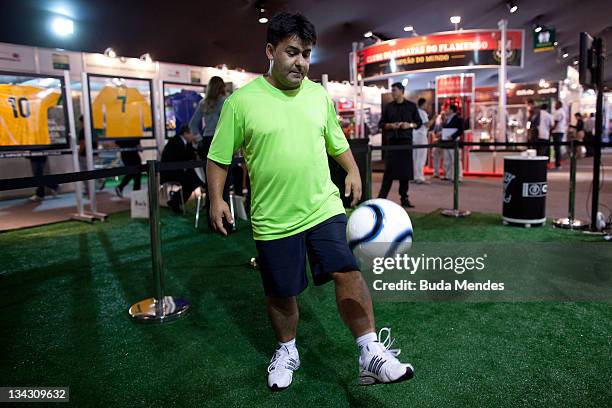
161	308
456	212
570	222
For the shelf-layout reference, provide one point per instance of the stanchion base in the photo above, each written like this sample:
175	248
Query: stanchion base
98	216
83	217
146	311
456	213
570	223
254	263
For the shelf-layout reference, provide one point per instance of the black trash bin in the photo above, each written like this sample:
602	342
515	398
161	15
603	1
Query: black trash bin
525	188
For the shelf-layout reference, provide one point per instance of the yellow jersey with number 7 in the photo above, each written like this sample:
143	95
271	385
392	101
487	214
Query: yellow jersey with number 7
120	111
24	114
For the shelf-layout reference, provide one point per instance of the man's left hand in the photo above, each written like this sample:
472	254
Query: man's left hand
353	185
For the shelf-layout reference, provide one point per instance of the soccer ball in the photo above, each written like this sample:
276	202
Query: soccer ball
379	228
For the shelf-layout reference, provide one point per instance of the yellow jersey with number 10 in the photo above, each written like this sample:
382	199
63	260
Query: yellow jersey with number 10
120	111
24	114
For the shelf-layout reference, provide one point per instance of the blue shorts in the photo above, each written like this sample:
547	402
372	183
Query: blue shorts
282	262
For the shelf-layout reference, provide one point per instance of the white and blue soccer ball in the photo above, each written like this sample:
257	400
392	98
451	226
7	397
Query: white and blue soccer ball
379	228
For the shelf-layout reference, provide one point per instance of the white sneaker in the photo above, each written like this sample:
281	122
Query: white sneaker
378	363
36	198
281	368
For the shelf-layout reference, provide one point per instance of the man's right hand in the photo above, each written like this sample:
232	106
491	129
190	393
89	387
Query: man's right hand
218	211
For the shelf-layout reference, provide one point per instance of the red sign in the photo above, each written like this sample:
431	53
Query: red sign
457	85
461	49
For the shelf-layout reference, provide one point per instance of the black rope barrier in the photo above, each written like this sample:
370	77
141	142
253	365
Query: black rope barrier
27	182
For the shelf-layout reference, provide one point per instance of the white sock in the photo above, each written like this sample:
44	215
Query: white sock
365	339
290	345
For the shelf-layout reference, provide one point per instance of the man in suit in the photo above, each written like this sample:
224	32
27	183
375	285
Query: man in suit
452	129
399	118
180	148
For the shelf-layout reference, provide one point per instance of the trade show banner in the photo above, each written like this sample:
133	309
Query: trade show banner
449	50
17	58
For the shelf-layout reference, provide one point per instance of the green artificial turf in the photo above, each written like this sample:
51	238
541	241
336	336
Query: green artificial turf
65	290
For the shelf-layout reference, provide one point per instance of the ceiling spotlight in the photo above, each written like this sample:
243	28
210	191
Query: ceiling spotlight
538	28
110	53
62	26
575	62
368	34
146	58
263	20
512	6
564	53
409	28
455	20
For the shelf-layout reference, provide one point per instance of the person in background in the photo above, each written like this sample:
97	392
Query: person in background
453	122
178	149
398	119
129	157
579	126
209	109
559	129
546	124
419	156
533	123
38	169
589	134
436	135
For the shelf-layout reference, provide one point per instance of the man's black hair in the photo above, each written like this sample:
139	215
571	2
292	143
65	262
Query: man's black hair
399	86
544	106
530	101
453	107
421	101
183	129
286	25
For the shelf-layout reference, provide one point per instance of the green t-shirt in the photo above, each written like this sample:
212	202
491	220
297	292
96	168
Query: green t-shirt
285	136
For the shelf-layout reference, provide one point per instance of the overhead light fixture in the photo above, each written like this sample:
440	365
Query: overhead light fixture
146	57
455	20
368	34
538	28
62	26
564	53
408	28
575	62
512	6
110	53
262	13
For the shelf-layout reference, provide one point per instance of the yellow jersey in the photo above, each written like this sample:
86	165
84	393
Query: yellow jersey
120	111
24	114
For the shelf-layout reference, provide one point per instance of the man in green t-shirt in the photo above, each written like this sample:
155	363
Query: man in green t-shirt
287	126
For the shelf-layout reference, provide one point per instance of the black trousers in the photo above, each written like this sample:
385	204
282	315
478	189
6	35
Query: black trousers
589	138
188	180
386	186
557	137
38	169
130	158
542	148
